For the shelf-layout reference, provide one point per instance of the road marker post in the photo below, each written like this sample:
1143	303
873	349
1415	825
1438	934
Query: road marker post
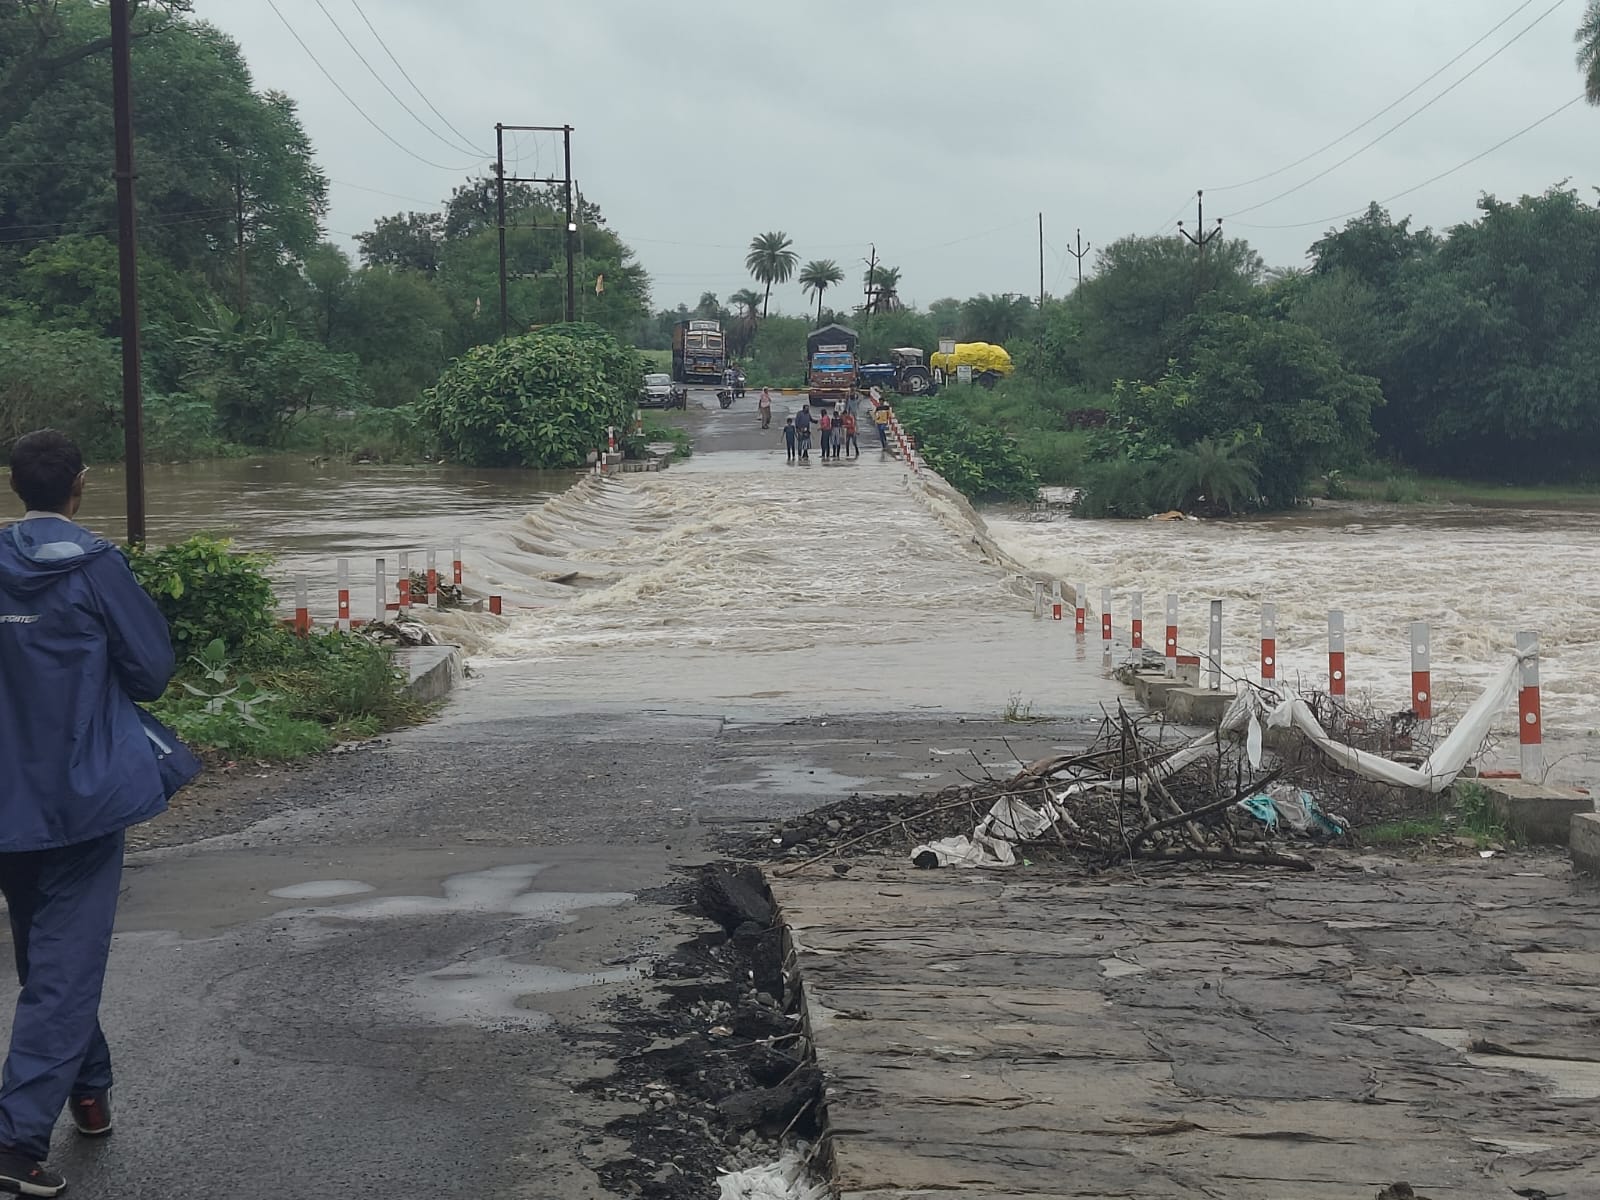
1336	673
1269	642
405	583
382	578
455	563
1215	646
495	606
1172	634
1530	717
433	581
1421	674
302	608
1055	601
1136	621
343	622
1080	598
1105	616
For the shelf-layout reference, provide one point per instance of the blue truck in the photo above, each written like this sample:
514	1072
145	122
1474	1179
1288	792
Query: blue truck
831	375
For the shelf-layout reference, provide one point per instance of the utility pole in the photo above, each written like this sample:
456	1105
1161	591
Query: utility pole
239	232
1041	262
500	220
1079	254
128	263
565	179
572	228
872	279
1200	239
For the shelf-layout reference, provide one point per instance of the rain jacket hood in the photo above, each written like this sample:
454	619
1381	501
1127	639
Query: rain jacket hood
80	641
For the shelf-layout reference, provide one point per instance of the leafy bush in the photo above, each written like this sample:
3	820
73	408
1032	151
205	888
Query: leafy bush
62	379
540	400
980	461
206	592
336	679
1123	487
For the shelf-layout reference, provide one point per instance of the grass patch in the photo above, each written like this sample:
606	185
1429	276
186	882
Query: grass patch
656	360
1404	488
682	445
1019	711
1396	833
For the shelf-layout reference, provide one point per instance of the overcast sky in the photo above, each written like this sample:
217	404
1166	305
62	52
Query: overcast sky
936	129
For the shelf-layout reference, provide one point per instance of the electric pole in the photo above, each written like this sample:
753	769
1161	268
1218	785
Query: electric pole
1200	239
128	264
565	179
872	278
1041	262
1082	250
238	225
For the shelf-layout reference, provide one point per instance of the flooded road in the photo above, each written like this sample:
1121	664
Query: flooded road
1477	575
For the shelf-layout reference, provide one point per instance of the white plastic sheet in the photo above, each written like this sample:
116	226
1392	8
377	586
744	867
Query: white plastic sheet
1011	821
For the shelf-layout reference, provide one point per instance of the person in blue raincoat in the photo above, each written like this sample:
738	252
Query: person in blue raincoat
80	642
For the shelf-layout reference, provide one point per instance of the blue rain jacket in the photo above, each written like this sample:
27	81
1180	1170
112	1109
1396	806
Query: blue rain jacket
80	641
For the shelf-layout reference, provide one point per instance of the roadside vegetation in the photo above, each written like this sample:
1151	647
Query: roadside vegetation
247	687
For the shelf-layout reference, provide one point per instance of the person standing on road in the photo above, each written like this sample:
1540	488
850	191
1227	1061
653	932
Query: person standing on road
880	418
80	641
826	426
790	438
802	428
765	405
850	444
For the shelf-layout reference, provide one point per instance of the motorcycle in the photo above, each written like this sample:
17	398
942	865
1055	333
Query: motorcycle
725	397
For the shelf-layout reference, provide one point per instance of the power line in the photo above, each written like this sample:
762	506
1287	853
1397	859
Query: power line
383	83
406	75
188	212
380	192
1382	111
144	223
1403	121
1432	179
272	4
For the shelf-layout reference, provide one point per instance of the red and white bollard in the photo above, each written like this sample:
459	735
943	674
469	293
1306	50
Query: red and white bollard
1269	642
1214	649
343	623
405	582
1038	596
382	577
302	608
495	606
1421	674
1105	616
1530	720
611	439
433	581
1056	610
1136	621
1336	675
1172	634
1080	611
455	562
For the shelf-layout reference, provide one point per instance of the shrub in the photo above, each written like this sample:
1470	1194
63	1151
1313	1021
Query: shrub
540	400
337	679
979	461
206	591
1123	488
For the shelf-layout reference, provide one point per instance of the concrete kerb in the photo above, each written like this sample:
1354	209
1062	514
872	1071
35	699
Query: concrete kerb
1541	813
1584	842
431	671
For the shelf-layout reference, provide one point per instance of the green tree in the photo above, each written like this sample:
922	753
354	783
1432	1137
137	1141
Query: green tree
883	288
770	261
998	319
1588	39
543	399
408	240
1213	476
818	276
747	300
68	379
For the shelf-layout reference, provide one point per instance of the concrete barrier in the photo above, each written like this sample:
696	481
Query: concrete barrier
1541	813
1584	842
431	671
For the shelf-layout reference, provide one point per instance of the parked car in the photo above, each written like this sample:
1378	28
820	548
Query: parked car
660	392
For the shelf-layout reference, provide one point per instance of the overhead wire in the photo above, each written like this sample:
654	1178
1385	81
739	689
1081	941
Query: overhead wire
144	223
1390	107
1323	174
407	76
1460	166
383	83
272	4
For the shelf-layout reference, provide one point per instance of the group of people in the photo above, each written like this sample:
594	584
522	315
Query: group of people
836	433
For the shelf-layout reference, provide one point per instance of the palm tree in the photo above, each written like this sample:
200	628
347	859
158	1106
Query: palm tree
818	276
1219	476
771	261
1588	39
883	294
748	299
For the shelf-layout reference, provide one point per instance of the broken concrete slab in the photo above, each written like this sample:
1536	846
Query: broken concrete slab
1197	706
431	671
1540	813
1184	1034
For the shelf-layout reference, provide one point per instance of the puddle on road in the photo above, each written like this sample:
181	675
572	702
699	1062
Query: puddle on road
322	889
496	890
487	992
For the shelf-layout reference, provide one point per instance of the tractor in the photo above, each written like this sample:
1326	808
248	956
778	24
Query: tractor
904	374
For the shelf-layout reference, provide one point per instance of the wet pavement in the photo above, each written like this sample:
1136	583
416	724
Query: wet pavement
1238	1035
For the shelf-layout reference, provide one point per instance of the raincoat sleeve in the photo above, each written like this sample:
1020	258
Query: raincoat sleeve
139	641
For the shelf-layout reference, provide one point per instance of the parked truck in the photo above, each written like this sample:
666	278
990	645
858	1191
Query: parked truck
831	374
699	352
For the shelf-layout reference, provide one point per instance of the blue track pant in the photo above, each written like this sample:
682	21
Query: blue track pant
62	904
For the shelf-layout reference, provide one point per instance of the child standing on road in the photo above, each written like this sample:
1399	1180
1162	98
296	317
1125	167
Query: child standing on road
826	425
790	438
802	429
850	435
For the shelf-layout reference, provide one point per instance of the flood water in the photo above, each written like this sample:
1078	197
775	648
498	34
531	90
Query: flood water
734	583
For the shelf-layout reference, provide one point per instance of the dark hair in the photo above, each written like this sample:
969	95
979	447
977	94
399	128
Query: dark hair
44	466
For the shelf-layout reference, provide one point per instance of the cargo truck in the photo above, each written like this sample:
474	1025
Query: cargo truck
831	375
699	352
